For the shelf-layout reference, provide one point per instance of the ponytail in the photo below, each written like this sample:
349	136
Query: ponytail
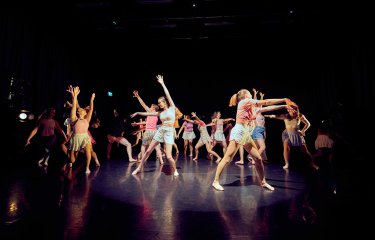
233	100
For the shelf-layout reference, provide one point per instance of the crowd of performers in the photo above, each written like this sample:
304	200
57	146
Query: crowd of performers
156	130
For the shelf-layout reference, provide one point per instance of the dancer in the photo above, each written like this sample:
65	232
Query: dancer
150	128
204	139
139	132
94	124
46	126
259	132
188	134
165	133
292	135
241	134
219	136
80	139
116	134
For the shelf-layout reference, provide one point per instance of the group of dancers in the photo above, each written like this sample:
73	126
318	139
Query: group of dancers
248	133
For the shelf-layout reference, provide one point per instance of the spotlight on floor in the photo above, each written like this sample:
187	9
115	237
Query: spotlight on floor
25	115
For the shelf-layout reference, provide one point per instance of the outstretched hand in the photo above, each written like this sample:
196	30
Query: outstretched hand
160	79
135	93
70	89
134	114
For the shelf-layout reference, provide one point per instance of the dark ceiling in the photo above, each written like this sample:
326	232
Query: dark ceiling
182	19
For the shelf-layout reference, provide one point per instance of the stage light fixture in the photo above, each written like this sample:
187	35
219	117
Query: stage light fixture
25	115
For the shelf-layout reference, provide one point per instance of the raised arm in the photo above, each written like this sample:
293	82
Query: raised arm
255	92
91	110
73	111
261	95
166	92
193	114
188	120
143	104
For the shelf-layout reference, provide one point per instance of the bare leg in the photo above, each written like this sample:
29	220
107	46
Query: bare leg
149	150
72	158
176	147
109	148
95	157
168	153
128	146
224	145
185	147
210	151
197	146
312	163
159	154
229	154
88	150
242	153
262	149
191	147
286	154
251	148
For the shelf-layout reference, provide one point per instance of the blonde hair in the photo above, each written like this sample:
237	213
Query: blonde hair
162	98
238	97
179	114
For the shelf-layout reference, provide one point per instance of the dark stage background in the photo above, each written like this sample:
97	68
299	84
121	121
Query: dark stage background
320	55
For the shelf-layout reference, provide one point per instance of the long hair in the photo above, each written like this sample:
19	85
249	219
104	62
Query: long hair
238	97
178	115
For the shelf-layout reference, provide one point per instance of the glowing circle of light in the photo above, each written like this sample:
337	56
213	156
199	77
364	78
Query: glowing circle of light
22	116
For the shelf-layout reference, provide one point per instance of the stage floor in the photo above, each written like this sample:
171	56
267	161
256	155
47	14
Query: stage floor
111	203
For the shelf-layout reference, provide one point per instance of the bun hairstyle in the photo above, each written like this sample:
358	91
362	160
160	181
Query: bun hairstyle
238	97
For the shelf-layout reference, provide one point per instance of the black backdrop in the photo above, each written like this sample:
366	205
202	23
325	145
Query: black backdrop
323	59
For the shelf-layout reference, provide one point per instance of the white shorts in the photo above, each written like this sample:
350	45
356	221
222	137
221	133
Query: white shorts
241	133
165	134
